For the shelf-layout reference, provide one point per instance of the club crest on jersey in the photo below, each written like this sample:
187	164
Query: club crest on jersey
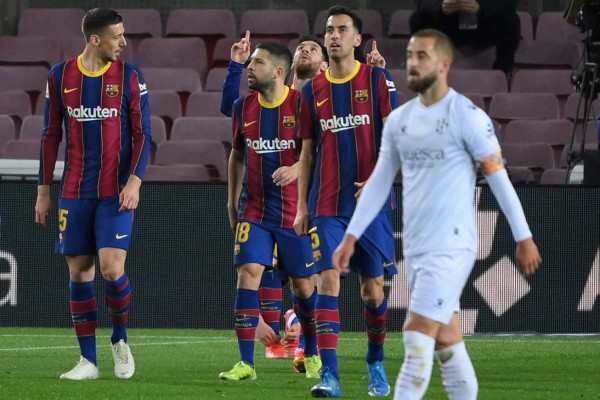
236	249
112	90
361	95
289	121
317	255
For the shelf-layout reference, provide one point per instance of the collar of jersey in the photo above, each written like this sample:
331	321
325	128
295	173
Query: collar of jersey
277	103
90	73
344	79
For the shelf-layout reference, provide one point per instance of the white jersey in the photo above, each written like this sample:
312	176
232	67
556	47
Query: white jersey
436	148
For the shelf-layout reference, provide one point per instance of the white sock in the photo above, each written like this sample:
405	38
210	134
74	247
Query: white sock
415	373
458	374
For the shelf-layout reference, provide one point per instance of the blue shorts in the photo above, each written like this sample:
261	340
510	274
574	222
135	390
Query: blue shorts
87	225
254	243
374	251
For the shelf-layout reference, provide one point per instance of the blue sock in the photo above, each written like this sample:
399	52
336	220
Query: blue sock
117	295
306	315
376	322
246	320
328	329
84	311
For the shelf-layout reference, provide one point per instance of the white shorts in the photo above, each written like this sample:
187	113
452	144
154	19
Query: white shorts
436	281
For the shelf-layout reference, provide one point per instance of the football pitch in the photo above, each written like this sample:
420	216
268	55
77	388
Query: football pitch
184	364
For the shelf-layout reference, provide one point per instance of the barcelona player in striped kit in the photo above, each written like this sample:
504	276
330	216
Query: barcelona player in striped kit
265	138
103	105
342	116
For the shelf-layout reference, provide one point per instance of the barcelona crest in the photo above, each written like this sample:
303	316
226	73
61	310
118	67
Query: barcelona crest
289	121
112	90
317	255
361	95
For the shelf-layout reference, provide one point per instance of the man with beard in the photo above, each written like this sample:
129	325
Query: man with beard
310	59
343	111
435	139
261	212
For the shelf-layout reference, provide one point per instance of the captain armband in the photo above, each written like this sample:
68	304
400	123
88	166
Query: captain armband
492	164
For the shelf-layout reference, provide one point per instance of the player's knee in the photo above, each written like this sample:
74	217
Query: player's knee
446	338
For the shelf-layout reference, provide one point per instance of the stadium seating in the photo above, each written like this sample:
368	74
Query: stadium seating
216	77
399	78
15	103
508	106
210	25
576	149
210	153
399	24
28	150
177	173
526	25
31	127
534	157
202	128
140	23
204	104
484	82
468	57
165	104
571	113
557	82
281	25
173	53
393	50
73	46
7	131
29	50
554	176
31	80
563	54
555	132
552	26
371	19
52	22
159	131
477	99
222	52
181	80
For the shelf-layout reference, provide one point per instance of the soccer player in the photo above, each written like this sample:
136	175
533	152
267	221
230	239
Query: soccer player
310	59
265	138
436	139
343	111
103	103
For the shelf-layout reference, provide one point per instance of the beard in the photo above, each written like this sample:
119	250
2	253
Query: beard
307	70
419	86
261	86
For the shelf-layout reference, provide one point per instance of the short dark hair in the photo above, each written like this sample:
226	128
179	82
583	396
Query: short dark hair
311	38
98	19
280	52
341	10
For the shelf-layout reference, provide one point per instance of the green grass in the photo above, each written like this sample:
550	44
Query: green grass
184	364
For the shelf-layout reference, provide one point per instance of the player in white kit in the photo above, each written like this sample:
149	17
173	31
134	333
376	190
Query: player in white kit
437	139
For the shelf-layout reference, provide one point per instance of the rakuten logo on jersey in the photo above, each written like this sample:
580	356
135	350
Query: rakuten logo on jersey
91	114
262	146
337	124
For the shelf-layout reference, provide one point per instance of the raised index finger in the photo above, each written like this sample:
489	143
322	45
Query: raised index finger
247	37
374	46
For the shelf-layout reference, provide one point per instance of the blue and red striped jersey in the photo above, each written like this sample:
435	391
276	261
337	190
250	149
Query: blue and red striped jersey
267	133
106	119
345	119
